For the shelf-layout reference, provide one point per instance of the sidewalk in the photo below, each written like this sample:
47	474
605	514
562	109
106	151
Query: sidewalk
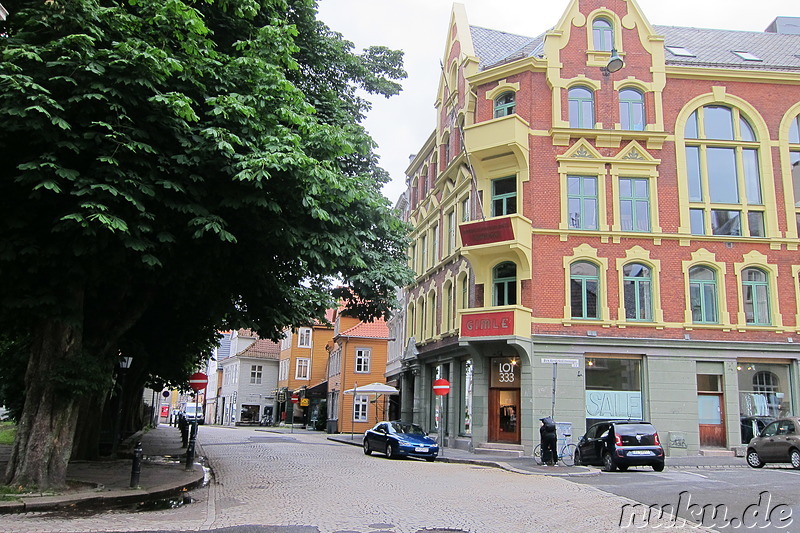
102	484
99	484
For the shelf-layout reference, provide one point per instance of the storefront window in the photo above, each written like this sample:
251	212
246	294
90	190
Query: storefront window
466	398
613	389
764	394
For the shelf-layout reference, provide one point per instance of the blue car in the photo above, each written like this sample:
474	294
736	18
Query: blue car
400	439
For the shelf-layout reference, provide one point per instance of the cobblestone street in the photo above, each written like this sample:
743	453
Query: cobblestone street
302	479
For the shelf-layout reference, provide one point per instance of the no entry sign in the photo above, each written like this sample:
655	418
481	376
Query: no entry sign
198	381
295	397
441	387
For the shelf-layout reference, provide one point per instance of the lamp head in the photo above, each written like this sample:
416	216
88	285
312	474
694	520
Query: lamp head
614	62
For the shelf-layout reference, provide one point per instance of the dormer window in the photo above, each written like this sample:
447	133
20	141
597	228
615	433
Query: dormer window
603	35
505	104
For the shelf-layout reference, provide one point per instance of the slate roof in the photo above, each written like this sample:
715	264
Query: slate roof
712	48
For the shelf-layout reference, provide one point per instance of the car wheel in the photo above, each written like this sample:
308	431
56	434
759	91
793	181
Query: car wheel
608	462
753	459
577	458
622	468
658	467
794	458
391	451
367	450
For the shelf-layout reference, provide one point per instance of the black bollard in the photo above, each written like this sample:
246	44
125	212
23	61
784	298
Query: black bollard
183	425
190	449
136	467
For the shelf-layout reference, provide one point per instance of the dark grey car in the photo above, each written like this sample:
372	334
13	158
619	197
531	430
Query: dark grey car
779	442
620	444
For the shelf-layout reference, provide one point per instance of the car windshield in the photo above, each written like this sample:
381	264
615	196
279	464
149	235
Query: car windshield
408	429
634	429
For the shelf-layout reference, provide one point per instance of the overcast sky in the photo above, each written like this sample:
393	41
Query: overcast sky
418	27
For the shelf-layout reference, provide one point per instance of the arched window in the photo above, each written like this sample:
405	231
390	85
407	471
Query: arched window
794	161
584	290
602	35
505	104
581	108
703	295
722	170
637	292
504	196
755	297
765	381
631	110
504	281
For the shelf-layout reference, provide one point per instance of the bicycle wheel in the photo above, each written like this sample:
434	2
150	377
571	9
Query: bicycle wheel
537	454
567	455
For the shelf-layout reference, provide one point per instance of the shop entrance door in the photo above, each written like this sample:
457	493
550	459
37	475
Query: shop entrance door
504	415
711	417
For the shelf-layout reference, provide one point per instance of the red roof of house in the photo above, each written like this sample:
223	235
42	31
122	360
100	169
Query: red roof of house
374	330
262	349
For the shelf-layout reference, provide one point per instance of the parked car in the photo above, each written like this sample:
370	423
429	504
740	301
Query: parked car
779	442
400	439
752	426
620	444
193	412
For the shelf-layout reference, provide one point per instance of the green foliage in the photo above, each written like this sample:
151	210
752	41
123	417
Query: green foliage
175	168
7	432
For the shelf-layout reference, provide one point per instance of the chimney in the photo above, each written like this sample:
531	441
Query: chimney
786	25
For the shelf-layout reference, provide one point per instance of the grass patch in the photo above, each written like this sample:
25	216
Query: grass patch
8	431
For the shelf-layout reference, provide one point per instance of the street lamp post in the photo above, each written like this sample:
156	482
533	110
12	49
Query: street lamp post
124	365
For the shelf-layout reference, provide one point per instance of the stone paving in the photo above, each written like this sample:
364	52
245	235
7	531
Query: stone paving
273	478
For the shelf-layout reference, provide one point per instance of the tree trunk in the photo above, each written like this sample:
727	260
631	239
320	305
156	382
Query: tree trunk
46	429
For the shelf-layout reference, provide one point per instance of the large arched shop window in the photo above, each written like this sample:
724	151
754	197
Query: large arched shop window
581	107
722	158
505	104
584	282
755	297
703	295
504	281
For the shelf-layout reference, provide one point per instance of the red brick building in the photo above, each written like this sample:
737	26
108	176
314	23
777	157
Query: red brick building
606	226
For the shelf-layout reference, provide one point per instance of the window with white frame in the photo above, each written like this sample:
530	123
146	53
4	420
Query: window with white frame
302	368
255	374
286	341
363	356
304	338
283	370
451	231
360	406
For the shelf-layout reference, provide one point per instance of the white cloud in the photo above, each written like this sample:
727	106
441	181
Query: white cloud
418	27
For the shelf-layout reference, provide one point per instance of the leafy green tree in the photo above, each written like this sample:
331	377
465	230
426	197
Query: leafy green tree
170	169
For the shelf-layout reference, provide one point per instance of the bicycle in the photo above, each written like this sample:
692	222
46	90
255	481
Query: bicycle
566	456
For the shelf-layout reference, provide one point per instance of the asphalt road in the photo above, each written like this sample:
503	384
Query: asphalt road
735	499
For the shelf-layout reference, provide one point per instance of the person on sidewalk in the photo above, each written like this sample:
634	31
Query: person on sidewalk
549	436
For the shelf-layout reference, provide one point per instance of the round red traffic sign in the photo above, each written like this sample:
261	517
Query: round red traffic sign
295	397
198	381
441	387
